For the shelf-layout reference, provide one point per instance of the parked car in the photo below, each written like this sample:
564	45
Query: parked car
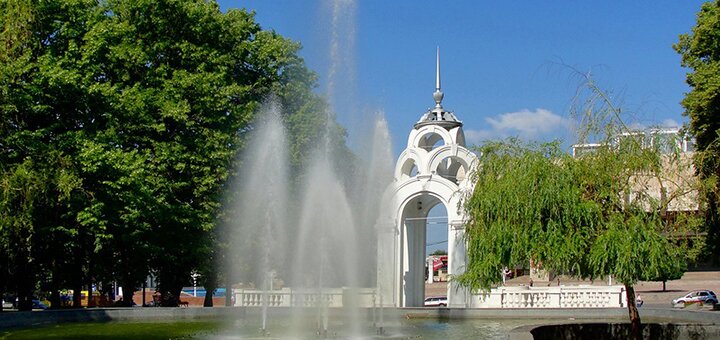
37	304
8	301
436	301
7	304
701	296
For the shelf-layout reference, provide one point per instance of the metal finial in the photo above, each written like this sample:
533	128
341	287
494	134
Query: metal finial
438	115
438	95
437	70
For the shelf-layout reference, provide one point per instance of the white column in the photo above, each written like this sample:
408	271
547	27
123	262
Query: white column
414	264
430	270
387	263
457	259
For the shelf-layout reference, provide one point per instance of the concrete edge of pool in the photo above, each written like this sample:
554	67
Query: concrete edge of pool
10	320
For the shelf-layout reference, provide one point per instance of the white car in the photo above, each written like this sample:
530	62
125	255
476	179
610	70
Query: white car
436	301
7	305
701	296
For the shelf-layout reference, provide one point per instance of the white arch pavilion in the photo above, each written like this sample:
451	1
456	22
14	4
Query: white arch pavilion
433	169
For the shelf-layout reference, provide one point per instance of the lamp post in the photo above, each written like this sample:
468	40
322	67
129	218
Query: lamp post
194	278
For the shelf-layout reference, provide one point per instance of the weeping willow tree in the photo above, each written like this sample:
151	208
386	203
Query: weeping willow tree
627	208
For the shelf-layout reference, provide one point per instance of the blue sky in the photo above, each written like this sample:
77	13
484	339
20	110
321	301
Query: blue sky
502	70
501	61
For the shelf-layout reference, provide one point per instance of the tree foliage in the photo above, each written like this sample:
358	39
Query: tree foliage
700	51
606	212
583	215
119	125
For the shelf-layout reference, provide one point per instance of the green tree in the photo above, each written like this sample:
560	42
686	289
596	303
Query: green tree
38	115
592	216
700	51
180	82
119	125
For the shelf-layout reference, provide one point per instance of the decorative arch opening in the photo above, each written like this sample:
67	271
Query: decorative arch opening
436	255
409	169
424	227
431	141
452	168
460	139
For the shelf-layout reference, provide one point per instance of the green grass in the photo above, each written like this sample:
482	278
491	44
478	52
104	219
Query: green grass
116	330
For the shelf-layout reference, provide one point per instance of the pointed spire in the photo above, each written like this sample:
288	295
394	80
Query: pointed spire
438	115
437	70
438	95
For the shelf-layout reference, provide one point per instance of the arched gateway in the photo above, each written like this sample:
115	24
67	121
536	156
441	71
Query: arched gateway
433	169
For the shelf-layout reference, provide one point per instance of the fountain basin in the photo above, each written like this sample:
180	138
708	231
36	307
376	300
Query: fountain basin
244	322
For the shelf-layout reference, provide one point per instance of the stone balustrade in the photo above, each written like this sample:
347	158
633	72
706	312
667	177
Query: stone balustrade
287	297
582	296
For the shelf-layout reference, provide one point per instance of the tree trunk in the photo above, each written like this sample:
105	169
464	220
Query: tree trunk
664	285
90	292
4	273
77	297
209	292
24	303
78	262
127	298
128	286
144	287
210	282
24	284
177	292
55	288
712	221
55	298
170	297
635	325
228	295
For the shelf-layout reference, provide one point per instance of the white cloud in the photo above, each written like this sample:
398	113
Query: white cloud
670	123
524	124
477	136
528	123
667	123
636	126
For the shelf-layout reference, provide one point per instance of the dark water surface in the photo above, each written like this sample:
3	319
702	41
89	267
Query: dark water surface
396	329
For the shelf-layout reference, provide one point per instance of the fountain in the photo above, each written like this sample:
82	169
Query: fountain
326	236
260	205
311	243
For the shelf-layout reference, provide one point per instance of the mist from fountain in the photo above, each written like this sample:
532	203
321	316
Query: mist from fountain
326	243
373	210
318	238
258	209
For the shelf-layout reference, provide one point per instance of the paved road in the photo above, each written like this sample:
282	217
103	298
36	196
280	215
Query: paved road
653	295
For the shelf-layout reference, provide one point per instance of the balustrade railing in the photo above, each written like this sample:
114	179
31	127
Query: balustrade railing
501	297
552	297
336	297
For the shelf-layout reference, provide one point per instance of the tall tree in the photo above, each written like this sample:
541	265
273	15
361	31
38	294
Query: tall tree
700	51
180	82
39	114
119	125
601	214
